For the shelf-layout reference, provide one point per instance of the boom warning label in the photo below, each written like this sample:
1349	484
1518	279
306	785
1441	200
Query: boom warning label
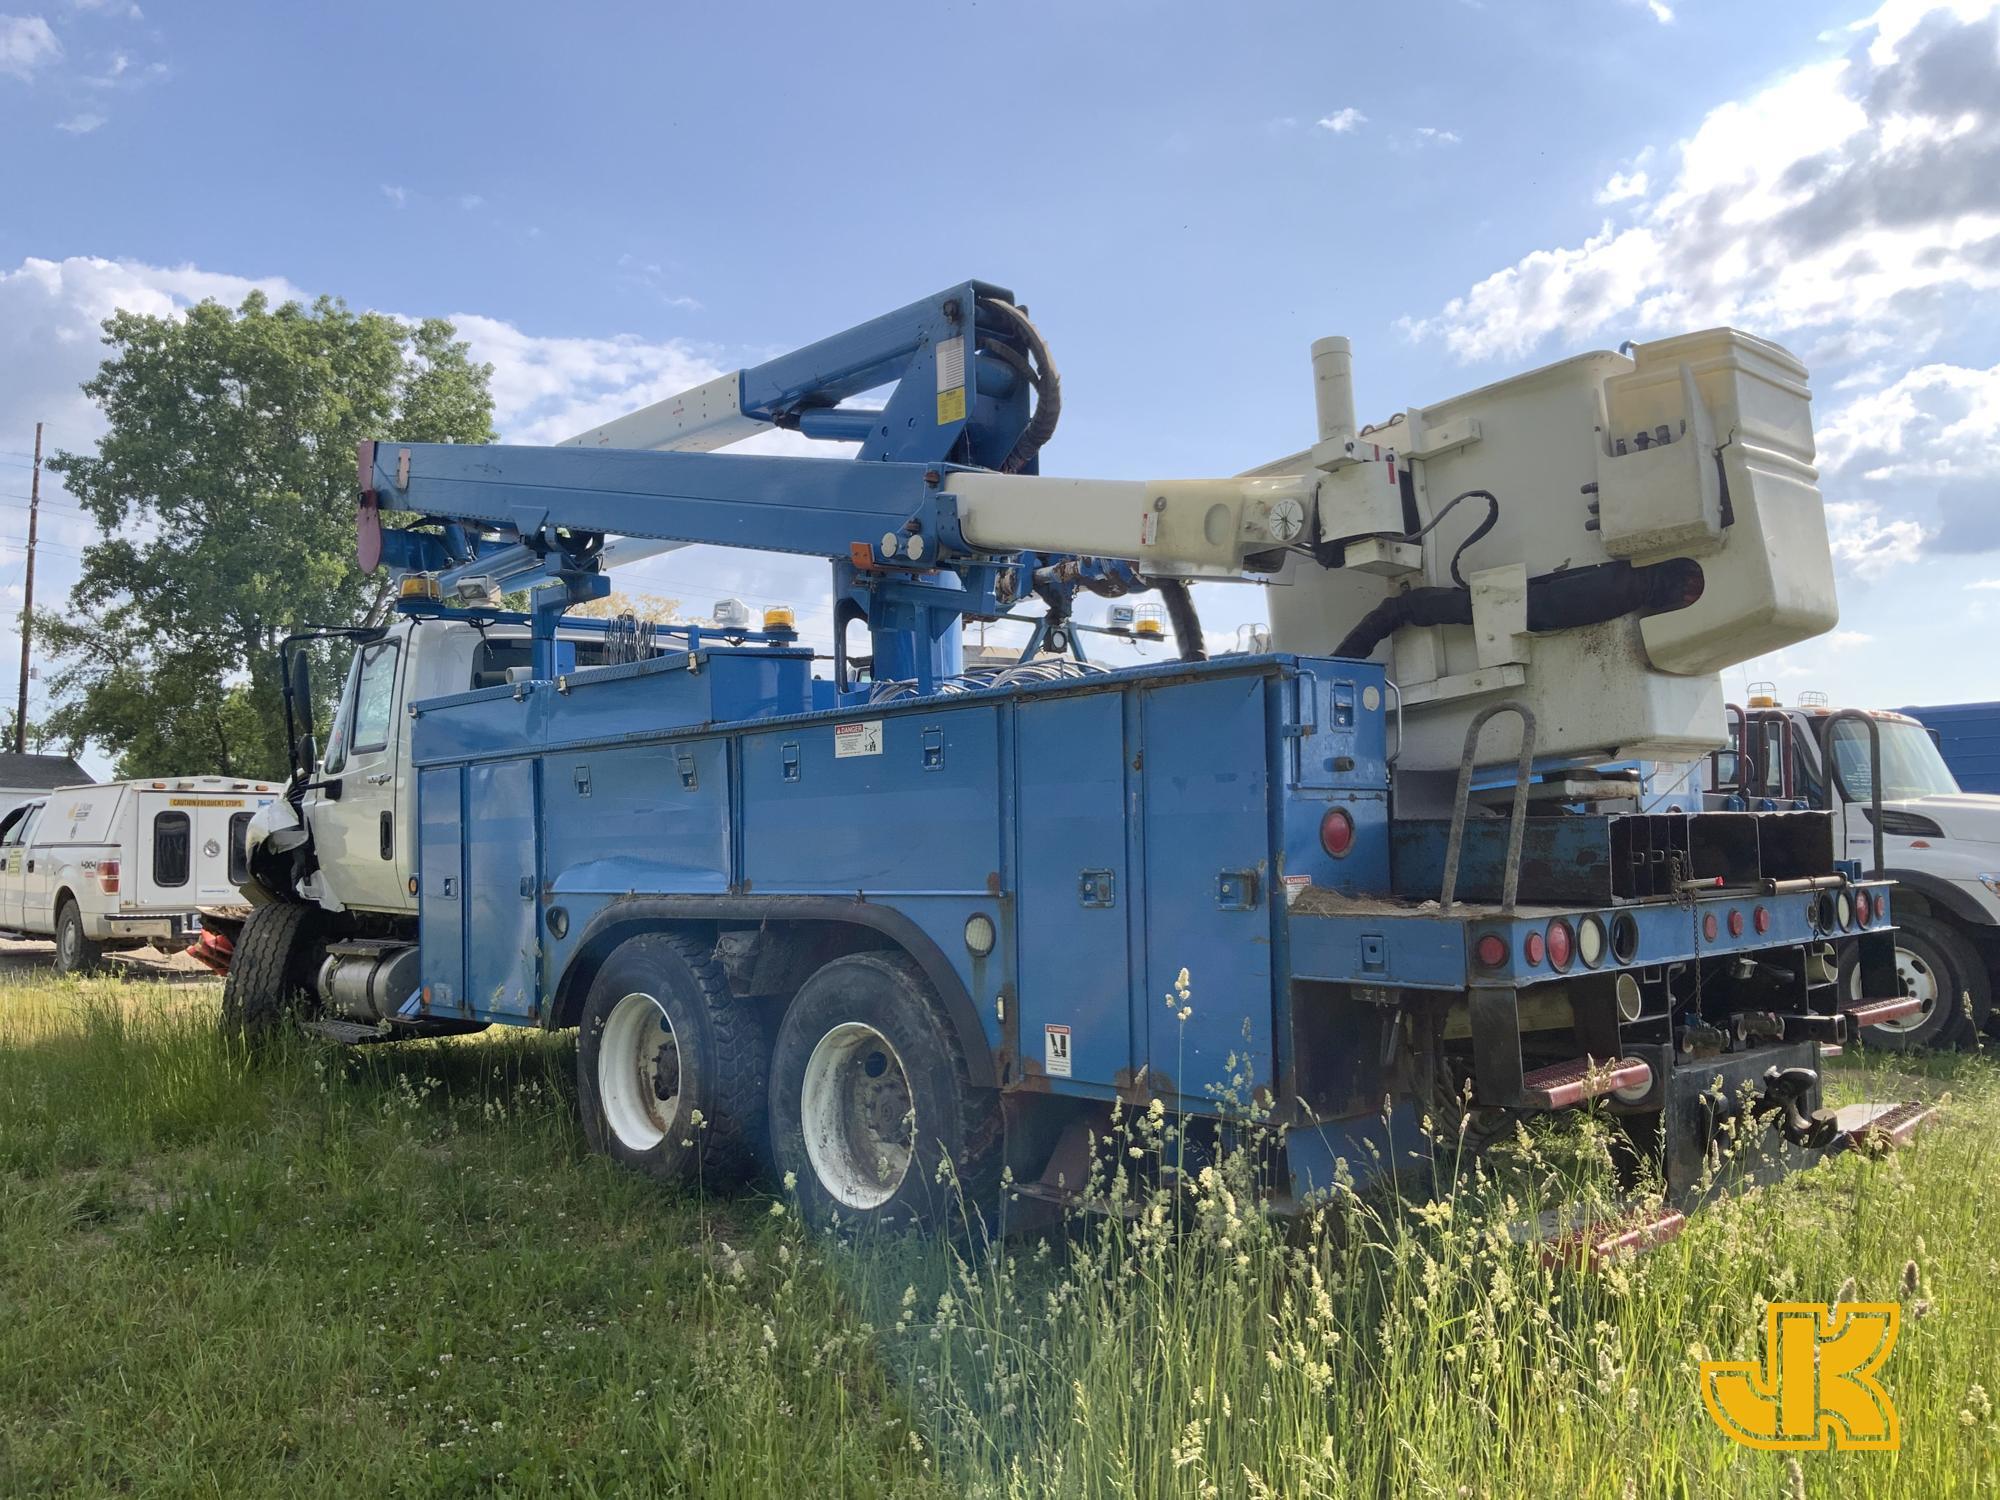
864	738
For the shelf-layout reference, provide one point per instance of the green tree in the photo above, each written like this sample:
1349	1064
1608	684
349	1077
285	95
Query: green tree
225	491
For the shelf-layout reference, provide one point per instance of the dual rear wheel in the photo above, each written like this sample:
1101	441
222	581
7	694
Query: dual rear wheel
862	1100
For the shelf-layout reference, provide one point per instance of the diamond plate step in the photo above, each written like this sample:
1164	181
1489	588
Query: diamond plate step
1882	1124
1564	1085
1876	1012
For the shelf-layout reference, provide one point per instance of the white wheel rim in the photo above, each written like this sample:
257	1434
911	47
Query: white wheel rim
639	1061
69	944
1917	978
855	1109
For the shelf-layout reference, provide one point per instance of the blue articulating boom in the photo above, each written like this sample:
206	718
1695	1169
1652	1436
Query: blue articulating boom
853	926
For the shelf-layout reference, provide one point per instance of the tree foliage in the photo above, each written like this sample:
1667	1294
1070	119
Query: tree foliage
224	489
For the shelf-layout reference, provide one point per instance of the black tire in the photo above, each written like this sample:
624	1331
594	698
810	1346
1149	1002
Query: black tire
1965	995
718	1057
272	981
76	954
852	1006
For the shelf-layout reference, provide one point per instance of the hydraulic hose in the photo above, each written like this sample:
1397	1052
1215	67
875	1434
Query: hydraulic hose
1041	374
1179	600
1556	601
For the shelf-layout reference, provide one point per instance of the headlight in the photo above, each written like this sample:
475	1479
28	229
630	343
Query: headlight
1991	882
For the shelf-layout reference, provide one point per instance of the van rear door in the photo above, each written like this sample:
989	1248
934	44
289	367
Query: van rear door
182	844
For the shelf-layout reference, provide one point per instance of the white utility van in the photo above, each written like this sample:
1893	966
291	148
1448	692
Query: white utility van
124	862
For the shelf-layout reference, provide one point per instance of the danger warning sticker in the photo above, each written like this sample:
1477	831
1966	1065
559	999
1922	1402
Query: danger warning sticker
1055	1051
864	738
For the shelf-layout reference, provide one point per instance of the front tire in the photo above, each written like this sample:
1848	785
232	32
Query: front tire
271	981
870	1098
1939	967
76	954
670	1065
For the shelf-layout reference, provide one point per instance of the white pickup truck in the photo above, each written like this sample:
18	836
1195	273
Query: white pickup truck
122	863
1939	844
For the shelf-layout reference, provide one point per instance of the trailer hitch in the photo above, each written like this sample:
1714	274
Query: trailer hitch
1781	1095
1783	1089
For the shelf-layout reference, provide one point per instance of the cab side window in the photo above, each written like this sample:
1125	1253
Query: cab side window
367	707
13	825
375	697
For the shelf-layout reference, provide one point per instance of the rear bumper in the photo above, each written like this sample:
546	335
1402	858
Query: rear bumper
174	929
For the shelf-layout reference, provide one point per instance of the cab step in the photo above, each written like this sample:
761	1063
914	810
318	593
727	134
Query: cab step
1565	1085
1877	1012
348	1033
1882	1124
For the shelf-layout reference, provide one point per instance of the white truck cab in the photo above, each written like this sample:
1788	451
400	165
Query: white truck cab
118	864
1939	844
359	805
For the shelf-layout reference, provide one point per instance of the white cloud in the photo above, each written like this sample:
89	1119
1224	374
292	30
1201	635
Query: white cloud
469	201
1985	583
26	45
81	124
1842	639
400	196
1621	186
1661	11
1845	193
1867	543
1432	136
1343	121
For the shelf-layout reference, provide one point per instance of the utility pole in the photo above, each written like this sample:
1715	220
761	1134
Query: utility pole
28	599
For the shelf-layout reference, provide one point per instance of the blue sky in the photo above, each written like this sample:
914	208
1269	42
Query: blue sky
615	201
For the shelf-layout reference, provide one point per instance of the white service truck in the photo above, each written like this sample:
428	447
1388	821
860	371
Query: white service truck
123	863
1939	844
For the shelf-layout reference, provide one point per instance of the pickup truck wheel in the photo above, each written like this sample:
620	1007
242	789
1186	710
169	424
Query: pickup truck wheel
670	1065
870	1098
271	980
1940	968
75	952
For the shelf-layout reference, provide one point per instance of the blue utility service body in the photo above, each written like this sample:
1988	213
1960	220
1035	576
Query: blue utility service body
1113	828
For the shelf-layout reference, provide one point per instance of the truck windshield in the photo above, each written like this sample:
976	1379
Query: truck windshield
1911	765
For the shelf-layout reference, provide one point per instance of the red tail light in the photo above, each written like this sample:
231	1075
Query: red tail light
1336	832
1491	951
1736	924
1532	948
1561	943
107	876
1864	908
1761	920
1710	927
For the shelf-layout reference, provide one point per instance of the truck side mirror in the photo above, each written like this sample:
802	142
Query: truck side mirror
305	754
300	688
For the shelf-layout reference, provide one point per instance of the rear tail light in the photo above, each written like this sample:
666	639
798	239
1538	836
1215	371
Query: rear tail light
1864	908
1336	832
1736	924
107	876
1761	920
1843	906
1710	928
1561	944
1591	941
1532	948
1490	951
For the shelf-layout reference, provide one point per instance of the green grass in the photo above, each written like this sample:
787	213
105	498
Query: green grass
396	1272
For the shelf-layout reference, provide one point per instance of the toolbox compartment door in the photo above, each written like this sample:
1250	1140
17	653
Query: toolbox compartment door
502	908
1207	791
1076	901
